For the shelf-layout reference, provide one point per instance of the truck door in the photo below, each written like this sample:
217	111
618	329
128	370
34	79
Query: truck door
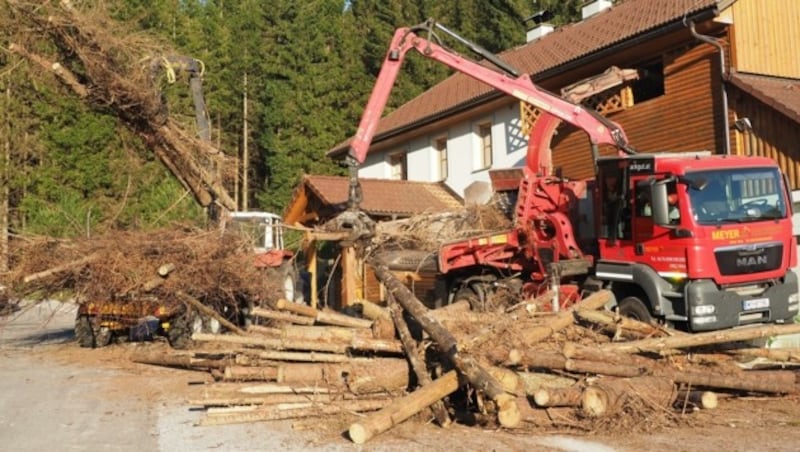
615	207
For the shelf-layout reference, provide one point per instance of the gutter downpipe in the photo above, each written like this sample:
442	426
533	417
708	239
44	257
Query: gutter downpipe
723	74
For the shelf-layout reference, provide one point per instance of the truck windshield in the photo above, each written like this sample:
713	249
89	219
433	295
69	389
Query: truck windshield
736	195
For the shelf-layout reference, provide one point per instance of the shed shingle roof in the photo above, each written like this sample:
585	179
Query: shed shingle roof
623	21
386	197
779	93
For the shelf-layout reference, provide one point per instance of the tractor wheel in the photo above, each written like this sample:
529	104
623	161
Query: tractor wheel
469	295
84	333
289	282
103	337
635	308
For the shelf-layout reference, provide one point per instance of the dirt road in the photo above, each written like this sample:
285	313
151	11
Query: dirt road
56	396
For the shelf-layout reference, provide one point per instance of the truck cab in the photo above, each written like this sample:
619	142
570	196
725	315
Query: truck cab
699	240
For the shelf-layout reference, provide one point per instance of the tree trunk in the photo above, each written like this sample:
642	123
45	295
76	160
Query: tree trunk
478	377
626	327
181	361
403	408
566	318
414	359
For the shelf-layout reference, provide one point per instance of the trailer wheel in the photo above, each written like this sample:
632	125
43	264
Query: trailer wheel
84	333
635	308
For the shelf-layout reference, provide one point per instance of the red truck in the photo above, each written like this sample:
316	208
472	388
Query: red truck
700	241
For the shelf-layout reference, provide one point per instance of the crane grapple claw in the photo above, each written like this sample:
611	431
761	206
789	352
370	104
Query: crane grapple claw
359	225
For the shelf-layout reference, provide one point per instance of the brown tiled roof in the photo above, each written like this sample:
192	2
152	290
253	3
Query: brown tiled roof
623	21
386	197
779	93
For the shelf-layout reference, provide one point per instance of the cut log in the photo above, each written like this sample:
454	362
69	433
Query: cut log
602	368
625	327
478	377
706	400
372	311
575	351
768	381
357	343
165	269
785	355
403	408
413	356
61	268
565	318
281	316
384	374
196	304
325	317
296	308
271	399
335	318
264	330
311	357
185	361
552	397
656	345
608	396
296	411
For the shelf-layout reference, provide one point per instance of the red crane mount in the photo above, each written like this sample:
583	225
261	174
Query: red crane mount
698	240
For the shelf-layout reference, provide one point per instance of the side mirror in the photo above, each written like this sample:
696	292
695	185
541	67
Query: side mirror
660	203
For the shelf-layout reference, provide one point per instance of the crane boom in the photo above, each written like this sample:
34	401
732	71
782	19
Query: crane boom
599	129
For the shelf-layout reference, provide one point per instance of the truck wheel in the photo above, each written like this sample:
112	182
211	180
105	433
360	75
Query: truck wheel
634	308
84	333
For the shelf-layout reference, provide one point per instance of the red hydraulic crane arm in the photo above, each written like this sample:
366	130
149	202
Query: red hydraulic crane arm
599	129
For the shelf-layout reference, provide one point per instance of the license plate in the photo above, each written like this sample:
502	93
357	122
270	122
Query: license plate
758	303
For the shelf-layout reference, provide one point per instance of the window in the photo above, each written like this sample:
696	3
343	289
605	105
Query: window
651	82
484	155
398	166
440	151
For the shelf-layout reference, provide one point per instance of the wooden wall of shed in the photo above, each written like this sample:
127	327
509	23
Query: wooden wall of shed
774	135
691	96
766	36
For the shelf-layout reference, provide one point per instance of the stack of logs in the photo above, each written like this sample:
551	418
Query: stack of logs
516	368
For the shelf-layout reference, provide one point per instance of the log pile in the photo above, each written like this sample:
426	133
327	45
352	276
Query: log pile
575	369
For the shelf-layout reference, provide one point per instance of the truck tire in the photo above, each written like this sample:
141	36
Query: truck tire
288	282
84	333
634	308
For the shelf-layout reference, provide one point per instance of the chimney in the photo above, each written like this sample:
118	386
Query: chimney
540	25
595	7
